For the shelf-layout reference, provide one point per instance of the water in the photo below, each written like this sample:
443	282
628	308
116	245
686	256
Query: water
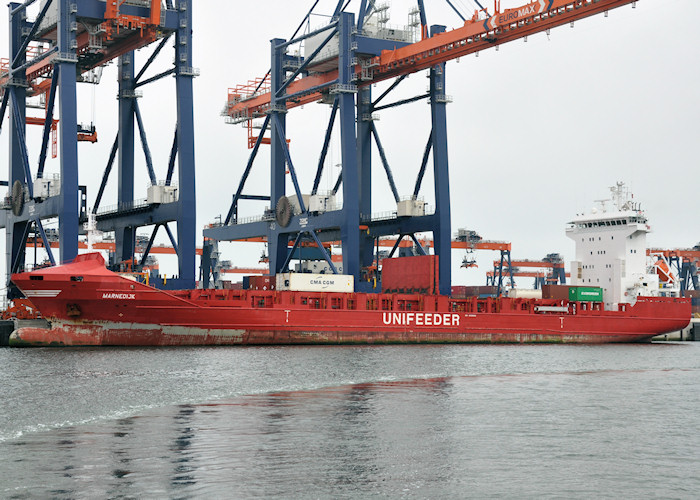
613	421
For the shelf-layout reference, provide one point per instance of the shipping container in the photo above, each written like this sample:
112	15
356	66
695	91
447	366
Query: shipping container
462	292
523	293
229	285
586	294
557	292
264	282
418	274
308	282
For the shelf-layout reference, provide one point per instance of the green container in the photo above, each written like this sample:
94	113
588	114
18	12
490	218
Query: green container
586	294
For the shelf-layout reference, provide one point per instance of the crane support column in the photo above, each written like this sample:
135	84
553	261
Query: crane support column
442	231
186	208
277	241
81	36
364	154
350	226
16	231
125	235
68	138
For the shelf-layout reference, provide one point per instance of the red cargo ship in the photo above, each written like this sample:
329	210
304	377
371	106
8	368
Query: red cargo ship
87	304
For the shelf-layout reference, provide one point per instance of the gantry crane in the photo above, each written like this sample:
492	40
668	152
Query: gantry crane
342	62
549	270
69	38
541	277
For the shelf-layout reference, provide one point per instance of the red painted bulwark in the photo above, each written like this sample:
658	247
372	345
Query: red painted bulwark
89	305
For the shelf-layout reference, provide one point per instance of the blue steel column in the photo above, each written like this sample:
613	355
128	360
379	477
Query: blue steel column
442	231
350	226
124	237
277	241
186	209
364	155
68	136
15	231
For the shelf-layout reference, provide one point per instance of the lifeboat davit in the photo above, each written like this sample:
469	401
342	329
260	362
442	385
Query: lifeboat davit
663	271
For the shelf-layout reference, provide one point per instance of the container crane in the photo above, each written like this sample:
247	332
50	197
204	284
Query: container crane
342	62
549	270
253	99
69	38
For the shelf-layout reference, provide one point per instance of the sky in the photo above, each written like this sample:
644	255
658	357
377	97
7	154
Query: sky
537	130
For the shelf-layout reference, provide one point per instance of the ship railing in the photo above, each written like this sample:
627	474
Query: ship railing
377	216
253	218
123	207
389	215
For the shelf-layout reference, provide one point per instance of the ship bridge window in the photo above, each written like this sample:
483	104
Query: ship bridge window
36	278
76	278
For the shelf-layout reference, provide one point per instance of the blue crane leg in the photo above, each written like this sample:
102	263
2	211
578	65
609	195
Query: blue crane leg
68	138
442	231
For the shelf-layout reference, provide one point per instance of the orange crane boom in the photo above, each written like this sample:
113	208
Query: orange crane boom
108	245
251	101
686	253
532	263
123	34
525	274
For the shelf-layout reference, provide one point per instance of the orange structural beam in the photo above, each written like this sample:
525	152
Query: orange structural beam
475	35
530	263
246	270
33	120
686	253
482	245
408	243
524	274
109	246
426	243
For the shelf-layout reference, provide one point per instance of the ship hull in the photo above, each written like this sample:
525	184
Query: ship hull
89	305
129	334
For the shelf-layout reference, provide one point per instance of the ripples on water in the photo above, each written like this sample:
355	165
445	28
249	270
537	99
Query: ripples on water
319	422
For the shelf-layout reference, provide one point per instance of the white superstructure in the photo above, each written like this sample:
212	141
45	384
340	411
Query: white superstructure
611	244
